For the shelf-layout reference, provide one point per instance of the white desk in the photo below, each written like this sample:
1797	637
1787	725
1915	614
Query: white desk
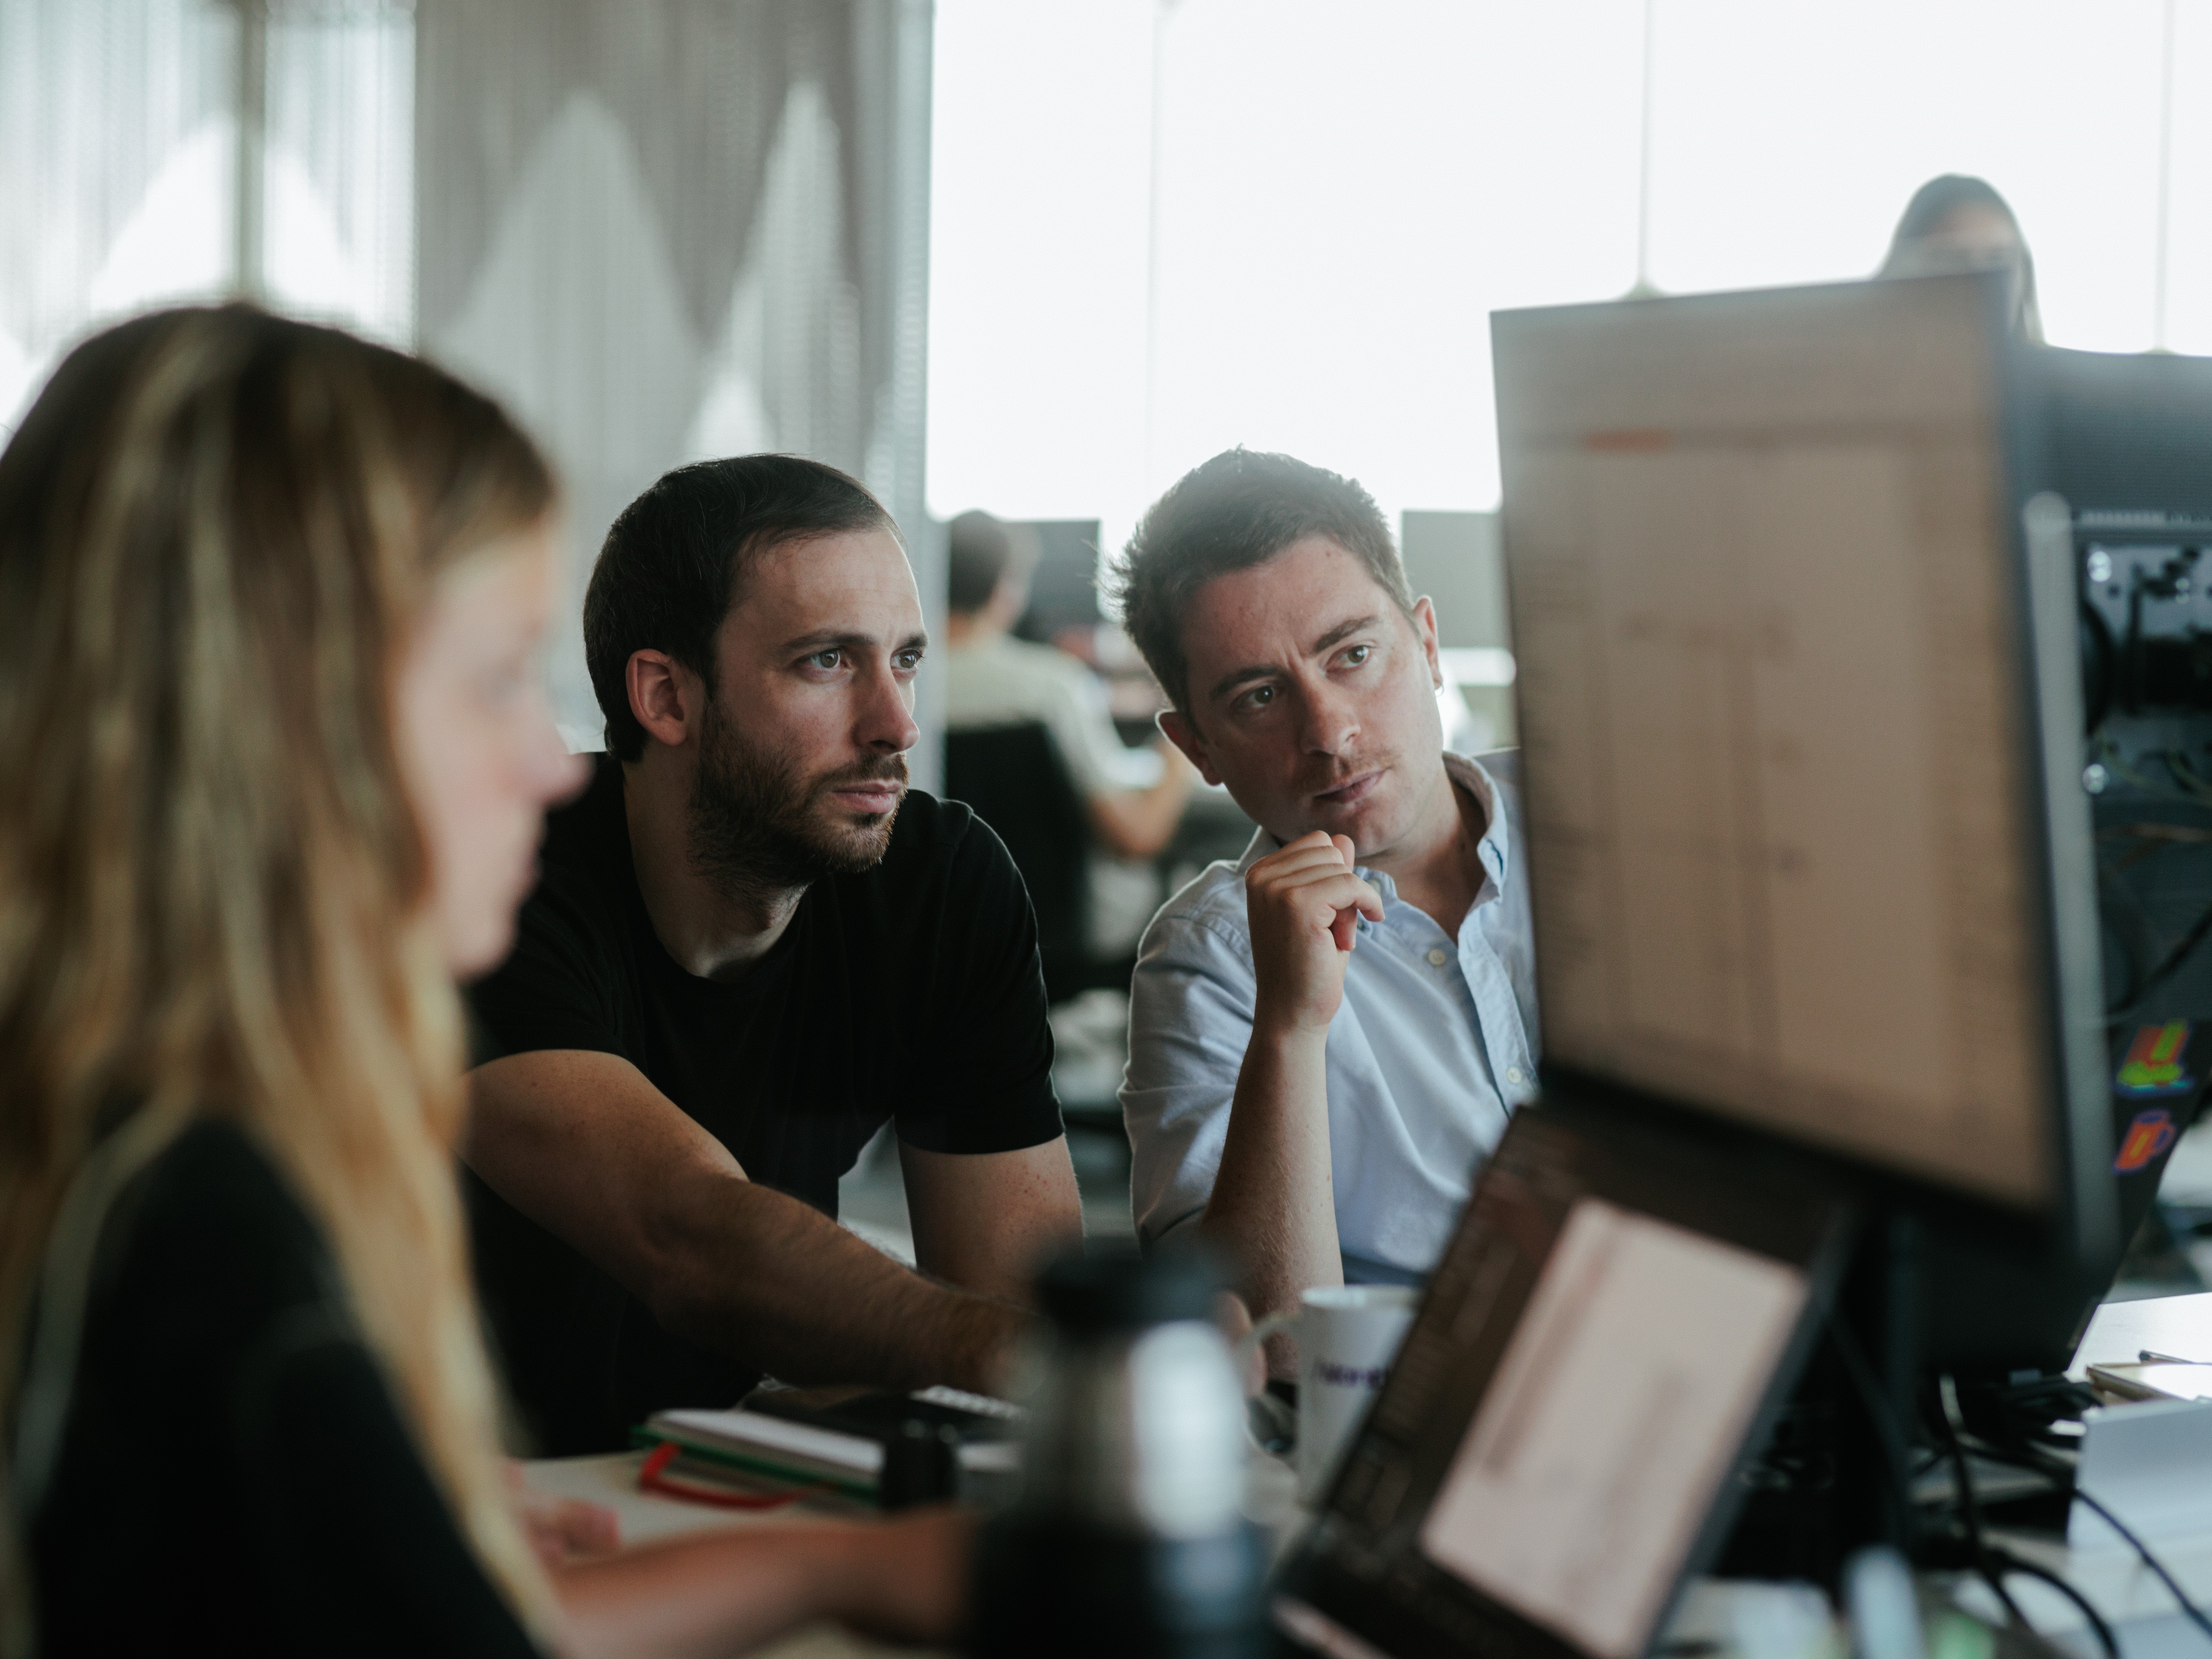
2179	1325
2123	1588
2142	1614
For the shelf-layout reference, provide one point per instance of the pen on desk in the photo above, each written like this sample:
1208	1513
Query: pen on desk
2152	1357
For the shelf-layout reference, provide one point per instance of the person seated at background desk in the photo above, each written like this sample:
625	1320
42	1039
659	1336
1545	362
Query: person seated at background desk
271	773
1134	797
751	945
1957	223
1325	1038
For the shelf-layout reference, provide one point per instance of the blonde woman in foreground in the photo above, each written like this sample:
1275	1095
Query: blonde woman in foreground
272	758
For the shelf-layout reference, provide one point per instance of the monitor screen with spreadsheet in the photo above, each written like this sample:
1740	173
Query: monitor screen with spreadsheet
1806	832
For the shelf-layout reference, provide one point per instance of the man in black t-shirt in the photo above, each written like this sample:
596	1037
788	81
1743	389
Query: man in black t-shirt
749	947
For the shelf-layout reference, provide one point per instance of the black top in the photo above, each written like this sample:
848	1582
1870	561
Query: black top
909	990
234	1476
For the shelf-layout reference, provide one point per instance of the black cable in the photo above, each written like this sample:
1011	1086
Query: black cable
2011	1563
2058	1475
2196	1613
1970	1510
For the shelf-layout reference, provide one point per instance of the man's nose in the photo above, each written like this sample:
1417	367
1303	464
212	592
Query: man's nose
1327	721
886	716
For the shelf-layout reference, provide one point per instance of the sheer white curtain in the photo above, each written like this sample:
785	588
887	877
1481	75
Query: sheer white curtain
120	125
116	140
338	164
660	229
665	230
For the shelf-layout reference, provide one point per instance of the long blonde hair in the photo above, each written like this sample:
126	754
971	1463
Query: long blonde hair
216	530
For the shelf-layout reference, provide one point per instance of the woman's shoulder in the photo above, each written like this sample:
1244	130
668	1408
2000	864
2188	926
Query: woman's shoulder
214	1175
210	1218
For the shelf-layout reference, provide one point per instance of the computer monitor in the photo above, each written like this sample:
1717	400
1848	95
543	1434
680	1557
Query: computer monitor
1800	713
2126	443
1064	581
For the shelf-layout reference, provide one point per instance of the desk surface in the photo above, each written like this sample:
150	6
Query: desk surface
2177	1325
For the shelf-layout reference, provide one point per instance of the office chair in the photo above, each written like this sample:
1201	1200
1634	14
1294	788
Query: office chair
1015	779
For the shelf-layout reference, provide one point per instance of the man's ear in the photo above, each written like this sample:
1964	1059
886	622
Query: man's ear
1424	629
658	686
1184	736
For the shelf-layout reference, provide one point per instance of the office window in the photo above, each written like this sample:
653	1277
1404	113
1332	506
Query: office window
1163	226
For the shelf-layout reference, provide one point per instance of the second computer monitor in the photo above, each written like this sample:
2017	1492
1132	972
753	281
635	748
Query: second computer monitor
1799	854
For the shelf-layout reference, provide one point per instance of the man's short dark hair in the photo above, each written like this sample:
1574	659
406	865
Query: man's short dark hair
675	564
978	549
1237	510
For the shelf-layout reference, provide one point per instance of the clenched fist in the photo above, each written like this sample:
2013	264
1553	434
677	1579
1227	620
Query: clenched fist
1304	901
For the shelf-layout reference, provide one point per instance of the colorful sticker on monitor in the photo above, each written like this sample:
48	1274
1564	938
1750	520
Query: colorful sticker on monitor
2151	1134
2153	1065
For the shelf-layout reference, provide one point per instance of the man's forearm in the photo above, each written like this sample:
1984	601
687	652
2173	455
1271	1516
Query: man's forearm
764	1278
1273	1207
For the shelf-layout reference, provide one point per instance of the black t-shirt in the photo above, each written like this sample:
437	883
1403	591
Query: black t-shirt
234	1477
910	990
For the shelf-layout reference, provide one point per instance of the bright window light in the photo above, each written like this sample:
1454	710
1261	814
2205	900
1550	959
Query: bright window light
1299	249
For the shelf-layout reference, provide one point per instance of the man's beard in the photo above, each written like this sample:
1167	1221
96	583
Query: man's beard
757	828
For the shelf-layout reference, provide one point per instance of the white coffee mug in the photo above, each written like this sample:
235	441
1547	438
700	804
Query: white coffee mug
1348	1337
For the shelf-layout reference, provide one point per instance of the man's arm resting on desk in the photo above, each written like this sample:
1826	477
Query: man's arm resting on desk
1273	1205
583	1145
987	1220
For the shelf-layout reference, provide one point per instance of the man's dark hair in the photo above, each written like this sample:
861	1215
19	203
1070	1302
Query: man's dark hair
1237	510
978	549
675	564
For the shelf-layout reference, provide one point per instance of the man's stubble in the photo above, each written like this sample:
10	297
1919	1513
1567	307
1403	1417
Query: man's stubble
758	828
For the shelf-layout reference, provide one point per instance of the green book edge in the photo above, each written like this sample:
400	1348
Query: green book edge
643	1438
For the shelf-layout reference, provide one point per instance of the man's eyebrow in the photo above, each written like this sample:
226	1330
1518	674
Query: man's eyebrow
824	639
1343	631
1237	676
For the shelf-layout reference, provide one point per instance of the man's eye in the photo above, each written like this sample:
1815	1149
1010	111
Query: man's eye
908	661
826	659
1259	696
1357	654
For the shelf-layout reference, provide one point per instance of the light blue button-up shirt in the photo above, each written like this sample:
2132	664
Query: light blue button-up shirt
1434	1045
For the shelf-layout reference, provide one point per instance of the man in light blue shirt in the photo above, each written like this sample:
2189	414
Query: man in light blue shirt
1325	1038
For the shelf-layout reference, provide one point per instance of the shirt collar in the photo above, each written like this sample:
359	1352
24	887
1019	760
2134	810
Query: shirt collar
1495	849
1496	846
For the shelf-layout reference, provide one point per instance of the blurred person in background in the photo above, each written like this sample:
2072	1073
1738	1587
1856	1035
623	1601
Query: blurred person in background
751	947
1135	797
1325	1038
1956	223
274	759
